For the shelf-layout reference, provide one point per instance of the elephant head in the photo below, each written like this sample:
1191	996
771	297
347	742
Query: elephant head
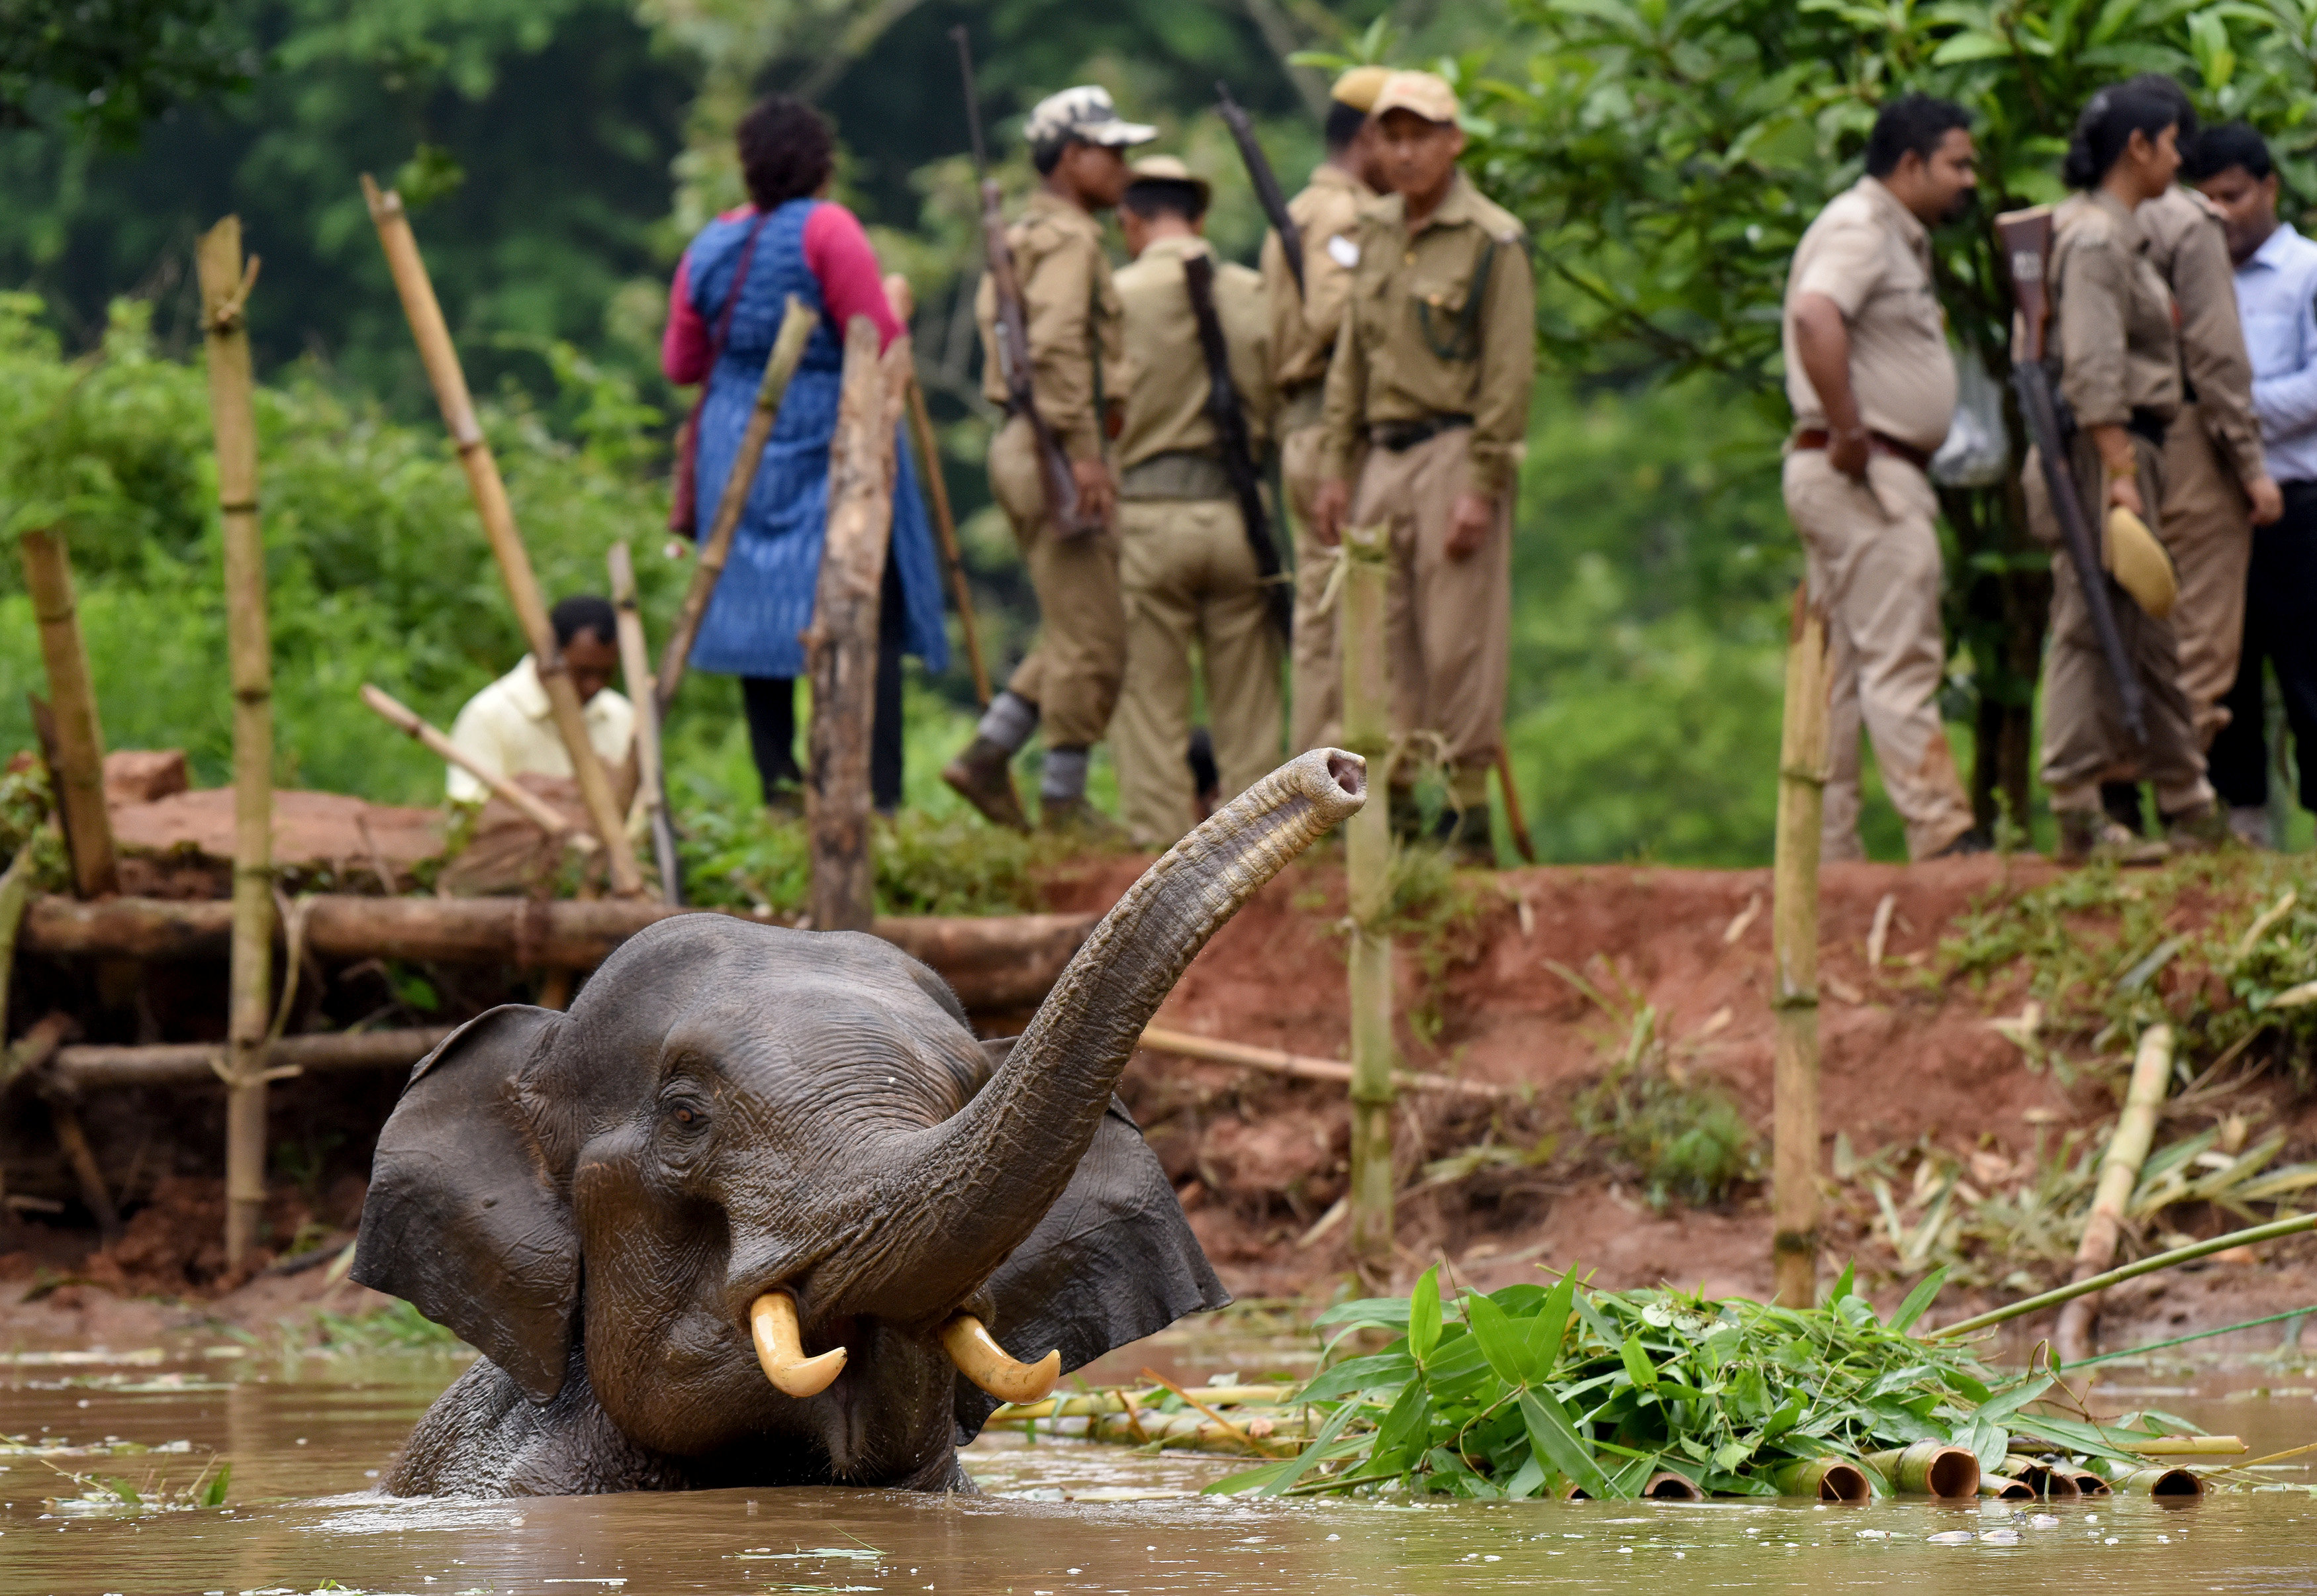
768	1195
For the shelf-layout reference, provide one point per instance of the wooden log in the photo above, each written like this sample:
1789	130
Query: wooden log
651	775
1367	847
2119	1172
84	1068
225	284
797	325
78	762
993	962
840	646
441	360
1794	953
1182	1043
530	804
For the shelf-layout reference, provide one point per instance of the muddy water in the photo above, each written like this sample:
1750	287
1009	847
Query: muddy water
1058	1518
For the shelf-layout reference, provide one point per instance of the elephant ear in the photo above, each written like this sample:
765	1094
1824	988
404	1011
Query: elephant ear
465	1219
1113	1260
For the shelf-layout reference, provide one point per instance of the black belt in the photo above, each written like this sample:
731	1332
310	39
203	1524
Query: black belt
2149	425
1397	437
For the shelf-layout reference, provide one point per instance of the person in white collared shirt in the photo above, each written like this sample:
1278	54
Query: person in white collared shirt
2276	299
508	727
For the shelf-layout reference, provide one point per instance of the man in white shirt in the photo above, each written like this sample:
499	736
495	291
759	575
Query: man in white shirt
507	729
2277	298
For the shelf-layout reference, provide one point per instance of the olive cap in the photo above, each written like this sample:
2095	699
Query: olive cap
1166	169
1357	87
1425	94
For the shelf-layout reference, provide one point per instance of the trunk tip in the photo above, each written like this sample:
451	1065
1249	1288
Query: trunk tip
1350	772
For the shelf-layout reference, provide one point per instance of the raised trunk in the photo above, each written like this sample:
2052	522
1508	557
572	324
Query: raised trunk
951	1204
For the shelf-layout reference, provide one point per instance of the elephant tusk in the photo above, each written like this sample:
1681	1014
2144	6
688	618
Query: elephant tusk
979	1359
772	1322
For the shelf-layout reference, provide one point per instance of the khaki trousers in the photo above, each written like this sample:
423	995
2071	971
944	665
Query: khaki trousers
2085	742
2205	527
1315	670
1447	622
1072	672
1874	563
1189	577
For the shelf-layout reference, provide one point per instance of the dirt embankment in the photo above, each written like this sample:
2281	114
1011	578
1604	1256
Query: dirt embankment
1537	981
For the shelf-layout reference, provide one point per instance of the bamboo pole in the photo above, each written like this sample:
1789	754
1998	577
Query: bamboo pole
1794	937
1367	843
84	1067
921	429
16	893
2274	1230
450	382
225	283
797	325
2119	1172
530	804
1159	1039
79	758
651	774
840	646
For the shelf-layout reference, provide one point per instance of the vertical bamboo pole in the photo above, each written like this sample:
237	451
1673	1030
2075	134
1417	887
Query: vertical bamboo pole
1793	950
78	765
635	664
450	383
225	283
2119	1172
840	646
1367	841
921	429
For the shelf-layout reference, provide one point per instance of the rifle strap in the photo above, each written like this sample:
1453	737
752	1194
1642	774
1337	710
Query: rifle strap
1463	340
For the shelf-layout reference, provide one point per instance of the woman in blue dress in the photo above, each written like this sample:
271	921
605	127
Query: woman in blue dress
724	312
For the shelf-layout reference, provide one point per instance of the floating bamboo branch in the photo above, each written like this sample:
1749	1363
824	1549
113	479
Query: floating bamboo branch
441	360
530	804
1367	842
635	664
2119	1172
225	283
78	761
1159	1039
2270	1231
1793	936
797	325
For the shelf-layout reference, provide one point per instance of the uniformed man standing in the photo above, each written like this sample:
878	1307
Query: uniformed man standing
1186	570
1433	371
1070	678
1304	322
1874	389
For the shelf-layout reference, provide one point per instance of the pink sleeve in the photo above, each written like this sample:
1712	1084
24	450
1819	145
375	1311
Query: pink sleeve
839	254
683	347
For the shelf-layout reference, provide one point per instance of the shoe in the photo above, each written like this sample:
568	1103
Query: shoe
1974	841
1077	819
2121	800
2250	824
983	776
2093	837
2203	830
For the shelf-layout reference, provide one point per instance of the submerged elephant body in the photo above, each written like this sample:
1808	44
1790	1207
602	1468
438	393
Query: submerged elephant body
737	1217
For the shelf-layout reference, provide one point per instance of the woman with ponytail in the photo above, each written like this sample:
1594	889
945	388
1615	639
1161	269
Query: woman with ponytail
2115	347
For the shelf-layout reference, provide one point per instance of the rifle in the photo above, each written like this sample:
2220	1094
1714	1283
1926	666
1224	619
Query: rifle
1230	417
1012	328
2026	239
1265	182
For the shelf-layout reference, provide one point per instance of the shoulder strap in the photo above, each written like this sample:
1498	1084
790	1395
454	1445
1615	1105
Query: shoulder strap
732	295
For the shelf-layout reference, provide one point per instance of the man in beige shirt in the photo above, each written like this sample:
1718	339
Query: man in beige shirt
1872	387
507	729
1187	571
1304	322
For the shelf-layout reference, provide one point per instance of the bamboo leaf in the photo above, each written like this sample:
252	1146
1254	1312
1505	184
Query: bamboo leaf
1550	1328
1919	1299
1556	1440
1424	1315
1507	1352
1637	1366
2006	1404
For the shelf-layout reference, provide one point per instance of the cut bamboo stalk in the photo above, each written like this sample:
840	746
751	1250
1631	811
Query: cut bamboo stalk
530	804
2119	1172
441	360
651	775
78	762
2004	1488
1829	1479
797	325
2158	1481
1159	1039
840	646
225	283
2151	1446
2274	1230
1929	1468
1368	847
921	429
1794	953
1664	1486
1122	1399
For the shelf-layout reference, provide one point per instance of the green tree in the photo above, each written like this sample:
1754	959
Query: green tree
109	67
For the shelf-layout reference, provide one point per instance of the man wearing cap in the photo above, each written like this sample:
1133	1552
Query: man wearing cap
1186	570
1304	323
1070	678
1873	388
1433	371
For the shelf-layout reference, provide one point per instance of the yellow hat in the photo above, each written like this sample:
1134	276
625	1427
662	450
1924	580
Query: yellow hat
1166	169
2141	565
1357	86
1425	94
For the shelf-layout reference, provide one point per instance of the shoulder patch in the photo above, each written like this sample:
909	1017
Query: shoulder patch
1343	252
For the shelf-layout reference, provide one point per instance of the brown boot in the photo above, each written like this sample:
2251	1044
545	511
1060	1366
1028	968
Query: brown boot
1082	823
983	776
2091	837
2202	829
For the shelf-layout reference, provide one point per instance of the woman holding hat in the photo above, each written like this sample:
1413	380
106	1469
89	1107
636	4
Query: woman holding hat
2117	349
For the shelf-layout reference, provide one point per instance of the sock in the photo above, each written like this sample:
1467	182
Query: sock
1064	778
1009	721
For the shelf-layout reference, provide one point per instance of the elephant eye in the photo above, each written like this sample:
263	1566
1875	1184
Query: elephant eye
690	1115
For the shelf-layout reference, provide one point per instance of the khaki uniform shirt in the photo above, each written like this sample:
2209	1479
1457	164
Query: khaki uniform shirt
1413	346
509	730
2190	252
1303	326
1872	256
1167	407
1071	306
2112	318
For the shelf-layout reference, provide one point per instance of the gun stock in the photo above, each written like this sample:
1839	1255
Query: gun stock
1265	182
2026	239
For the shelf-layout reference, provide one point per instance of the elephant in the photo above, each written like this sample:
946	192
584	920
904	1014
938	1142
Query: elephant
759	1209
